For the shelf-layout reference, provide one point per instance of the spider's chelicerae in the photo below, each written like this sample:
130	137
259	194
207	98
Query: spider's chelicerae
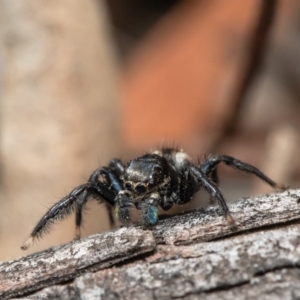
162	178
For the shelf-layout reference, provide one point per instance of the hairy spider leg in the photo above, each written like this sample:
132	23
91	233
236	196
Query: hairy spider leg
213	176
213	190
117	165
82	199
188	186
122	202
210	165
113	184
66	206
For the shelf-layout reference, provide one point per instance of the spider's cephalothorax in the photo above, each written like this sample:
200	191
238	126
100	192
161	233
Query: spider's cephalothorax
163	178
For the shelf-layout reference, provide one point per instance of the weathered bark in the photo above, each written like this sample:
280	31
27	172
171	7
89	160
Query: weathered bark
62	263
207	268
260	258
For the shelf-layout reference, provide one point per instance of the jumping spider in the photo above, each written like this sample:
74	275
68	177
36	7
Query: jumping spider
162	178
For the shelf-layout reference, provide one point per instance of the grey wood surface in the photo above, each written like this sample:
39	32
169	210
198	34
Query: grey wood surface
183	257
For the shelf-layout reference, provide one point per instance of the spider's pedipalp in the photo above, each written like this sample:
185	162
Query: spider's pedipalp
149	211
123	205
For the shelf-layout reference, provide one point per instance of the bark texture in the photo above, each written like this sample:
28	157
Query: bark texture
181	258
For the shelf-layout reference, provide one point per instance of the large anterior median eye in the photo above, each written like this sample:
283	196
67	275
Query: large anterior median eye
140	188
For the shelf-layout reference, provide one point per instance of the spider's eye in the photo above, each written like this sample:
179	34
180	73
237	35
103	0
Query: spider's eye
141	188
128	186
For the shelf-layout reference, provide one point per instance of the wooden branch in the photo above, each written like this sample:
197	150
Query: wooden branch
244	264
62	263
248	213
183	271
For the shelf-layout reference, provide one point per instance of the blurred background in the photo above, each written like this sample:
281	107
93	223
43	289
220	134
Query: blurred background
82	82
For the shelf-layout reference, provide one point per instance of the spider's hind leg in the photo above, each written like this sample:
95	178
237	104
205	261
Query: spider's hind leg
211	163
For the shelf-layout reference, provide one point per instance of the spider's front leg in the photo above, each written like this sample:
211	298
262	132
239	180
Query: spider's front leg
66	206
213	190
112	181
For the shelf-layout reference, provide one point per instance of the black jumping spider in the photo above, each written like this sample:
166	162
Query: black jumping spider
163	178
